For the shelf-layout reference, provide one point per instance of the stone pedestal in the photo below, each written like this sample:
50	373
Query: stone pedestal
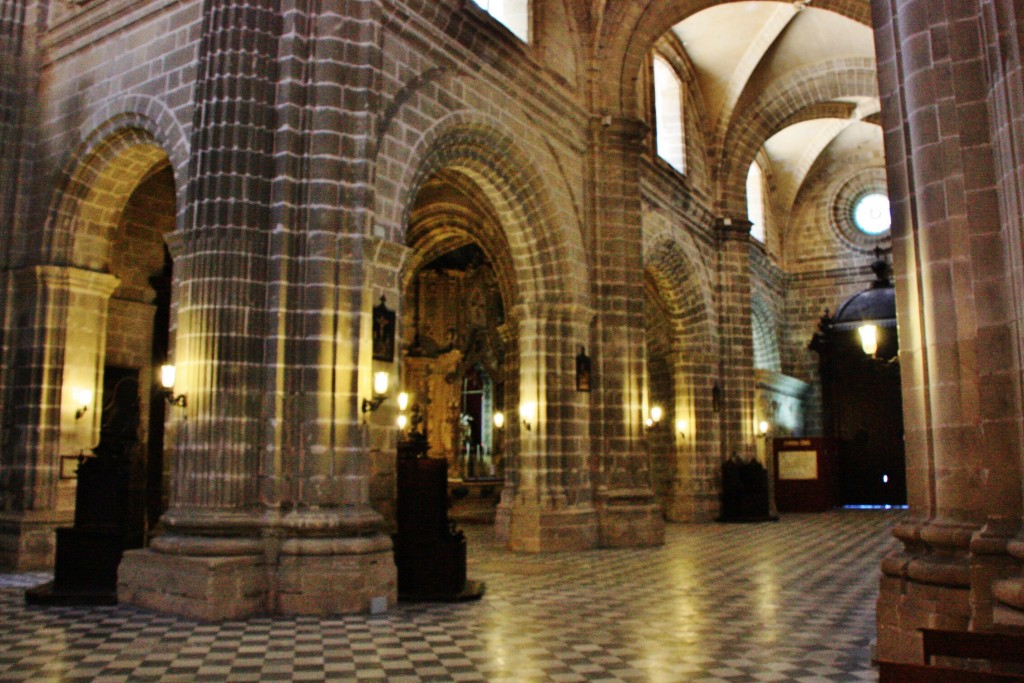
335	576
28	539
629	519
204	588
310	576
536	529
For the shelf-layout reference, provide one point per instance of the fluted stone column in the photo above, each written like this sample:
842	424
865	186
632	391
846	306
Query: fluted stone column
958	288
547	503
736	353
57	346
270	507
209	560
1002	25
627	511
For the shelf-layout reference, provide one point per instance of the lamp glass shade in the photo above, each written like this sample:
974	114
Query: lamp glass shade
528	411
402	421
167	376
499	419
656	414
380	383
82	396
403	400
868	338
681	426
762	427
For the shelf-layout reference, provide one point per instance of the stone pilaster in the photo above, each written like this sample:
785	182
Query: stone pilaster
547	503
736	350
57	347
959	334
627	511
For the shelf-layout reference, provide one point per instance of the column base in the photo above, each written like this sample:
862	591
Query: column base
926	585
629	519
534	529
335	576
28	541
689	507
311	576
203	588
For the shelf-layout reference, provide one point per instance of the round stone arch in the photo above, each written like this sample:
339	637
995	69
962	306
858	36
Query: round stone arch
441	226
528	217
546	247
776	108
629	29
694	377
94	186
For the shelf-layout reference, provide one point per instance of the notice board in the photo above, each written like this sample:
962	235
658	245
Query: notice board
804	474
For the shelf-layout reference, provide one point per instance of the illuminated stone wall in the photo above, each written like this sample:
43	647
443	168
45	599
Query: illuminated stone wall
314	156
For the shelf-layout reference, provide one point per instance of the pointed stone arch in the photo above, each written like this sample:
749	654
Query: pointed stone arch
778	106
765	327
629	29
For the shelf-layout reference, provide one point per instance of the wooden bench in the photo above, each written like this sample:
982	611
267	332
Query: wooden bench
993	646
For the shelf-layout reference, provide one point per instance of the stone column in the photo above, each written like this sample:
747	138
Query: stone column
23	544
334	553
958	292
547	503
627	511
57	346
270	505
736	351
997	584
209	561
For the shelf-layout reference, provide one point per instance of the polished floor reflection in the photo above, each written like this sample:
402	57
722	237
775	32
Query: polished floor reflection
787	601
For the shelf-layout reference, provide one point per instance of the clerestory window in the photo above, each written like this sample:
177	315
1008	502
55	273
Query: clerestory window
755	202
668	114
514	14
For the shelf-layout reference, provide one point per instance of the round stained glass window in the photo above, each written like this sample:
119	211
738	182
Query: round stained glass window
871	214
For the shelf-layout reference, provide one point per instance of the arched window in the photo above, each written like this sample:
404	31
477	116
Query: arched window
755	202
668	114
514	14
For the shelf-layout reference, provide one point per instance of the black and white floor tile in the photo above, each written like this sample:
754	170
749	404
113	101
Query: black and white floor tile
788	602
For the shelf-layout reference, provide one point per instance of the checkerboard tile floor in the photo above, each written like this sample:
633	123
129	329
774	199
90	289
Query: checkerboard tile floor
789	602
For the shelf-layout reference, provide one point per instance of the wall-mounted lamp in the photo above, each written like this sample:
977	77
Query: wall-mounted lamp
403	401
168	374
83	397
528	413
681	426
762	427
499	419
654	416
868	334
402	421
380	392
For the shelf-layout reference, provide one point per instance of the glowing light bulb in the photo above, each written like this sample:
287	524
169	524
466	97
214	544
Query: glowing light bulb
380	383
868	338
167	376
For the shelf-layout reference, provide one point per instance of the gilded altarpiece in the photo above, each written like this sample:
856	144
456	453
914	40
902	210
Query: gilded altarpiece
453	365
